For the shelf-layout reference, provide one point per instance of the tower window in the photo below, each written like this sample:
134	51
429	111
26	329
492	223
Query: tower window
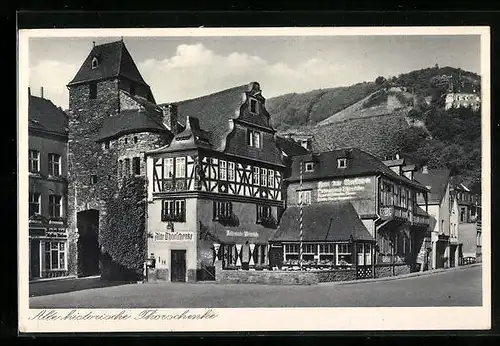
135	139
136	165
95	62
92	91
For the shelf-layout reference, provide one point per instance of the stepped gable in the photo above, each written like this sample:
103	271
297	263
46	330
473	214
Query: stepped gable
43	115
329	222
114	61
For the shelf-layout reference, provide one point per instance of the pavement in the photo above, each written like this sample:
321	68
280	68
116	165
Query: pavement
70	284
452	287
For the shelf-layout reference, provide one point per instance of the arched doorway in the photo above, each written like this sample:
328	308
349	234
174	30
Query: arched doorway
88	242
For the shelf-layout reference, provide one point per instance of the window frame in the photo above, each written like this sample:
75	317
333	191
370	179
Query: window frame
173	210
53	164
94	63
305	201
255	103
55	204
222	210
342	162
38	202
223	170
254	139
270	178
263	212
231	167
32	160
180	167
256	175
338	253
49	250
309	166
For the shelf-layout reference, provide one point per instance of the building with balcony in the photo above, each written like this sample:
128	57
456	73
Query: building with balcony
48	167
462	100
440	209
377	198
215	193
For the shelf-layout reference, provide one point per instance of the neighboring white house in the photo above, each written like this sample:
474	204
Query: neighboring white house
437	181
455	244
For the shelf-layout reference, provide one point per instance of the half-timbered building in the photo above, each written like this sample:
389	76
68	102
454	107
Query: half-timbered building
216	191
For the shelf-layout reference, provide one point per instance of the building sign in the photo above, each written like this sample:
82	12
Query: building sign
345	189
174	236
241	234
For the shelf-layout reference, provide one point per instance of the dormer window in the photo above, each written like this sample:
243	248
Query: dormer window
305	143
95	62
309	166
253	106
342	162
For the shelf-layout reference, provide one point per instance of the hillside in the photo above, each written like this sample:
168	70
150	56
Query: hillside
291	111
307	109
396	116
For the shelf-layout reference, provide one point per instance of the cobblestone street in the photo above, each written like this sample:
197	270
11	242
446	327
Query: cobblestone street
454	287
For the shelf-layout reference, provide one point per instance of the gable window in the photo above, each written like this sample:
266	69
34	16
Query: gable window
342	163
95	62
222	210
305	196
180	167
256	177
55	206
309	166
93	91
222	169
270	178
34	204
34	161
55	165
254	139
253	106
263	176
136	165
263	212
174	210
230	171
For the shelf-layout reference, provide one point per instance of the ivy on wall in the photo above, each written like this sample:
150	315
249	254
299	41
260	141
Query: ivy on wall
123	240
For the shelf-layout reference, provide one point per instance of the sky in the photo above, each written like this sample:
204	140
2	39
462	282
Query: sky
180	68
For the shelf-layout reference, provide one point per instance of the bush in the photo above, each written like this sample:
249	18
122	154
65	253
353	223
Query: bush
123	236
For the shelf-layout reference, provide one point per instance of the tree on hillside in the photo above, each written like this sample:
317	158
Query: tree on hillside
380	80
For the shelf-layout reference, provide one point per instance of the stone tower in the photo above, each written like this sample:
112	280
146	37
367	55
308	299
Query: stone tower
108	101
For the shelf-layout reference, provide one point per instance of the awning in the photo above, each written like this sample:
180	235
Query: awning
325	222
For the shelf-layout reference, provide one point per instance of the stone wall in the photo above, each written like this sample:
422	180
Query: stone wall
385	270
273	277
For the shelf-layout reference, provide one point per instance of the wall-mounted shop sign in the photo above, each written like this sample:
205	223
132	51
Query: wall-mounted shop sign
241	234
345	189
174	236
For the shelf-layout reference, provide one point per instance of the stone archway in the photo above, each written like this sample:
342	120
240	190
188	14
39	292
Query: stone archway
88	242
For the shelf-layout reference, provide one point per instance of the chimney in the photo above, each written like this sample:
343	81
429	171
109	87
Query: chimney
170	117
93	44
41	92
29	91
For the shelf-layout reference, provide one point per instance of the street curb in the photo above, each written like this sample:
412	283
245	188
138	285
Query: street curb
403	276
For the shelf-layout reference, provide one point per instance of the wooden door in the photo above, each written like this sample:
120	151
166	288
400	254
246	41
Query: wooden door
178	265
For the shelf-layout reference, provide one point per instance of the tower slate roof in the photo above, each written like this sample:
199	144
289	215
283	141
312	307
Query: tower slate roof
114	61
